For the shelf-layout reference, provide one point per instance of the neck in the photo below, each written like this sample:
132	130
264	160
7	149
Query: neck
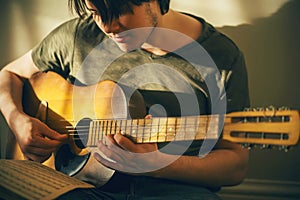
173	31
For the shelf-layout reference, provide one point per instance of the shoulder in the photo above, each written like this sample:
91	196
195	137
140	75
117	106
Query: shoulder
222	48
88	31
85	26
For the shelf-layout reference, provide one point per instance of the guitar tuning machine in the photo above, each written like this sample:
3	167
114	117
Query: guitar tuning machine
247	146
283	108
266	146
248	109
284	148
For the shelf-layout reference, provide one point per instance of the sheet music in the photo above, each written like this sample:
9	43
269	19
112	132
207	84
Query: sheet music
32	180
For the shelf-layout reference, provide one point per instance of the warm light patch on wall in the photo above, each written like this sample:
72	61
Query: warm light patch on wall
229	12
20	38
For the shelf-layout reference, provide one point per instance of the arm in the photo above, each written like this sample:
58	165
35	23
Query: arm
36	140
224	165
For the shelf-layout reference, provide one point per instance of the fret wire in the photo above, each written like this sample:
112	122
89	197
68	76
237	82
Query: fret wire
207	121
121	125
185	128
95	135
158	131
92	136
125	128
111	127
167	128
186	132
115	127
130	128
109	124
141	129
151	126
99	135
138	128
196	125
155	129
98	132
106	125
90	133
102	131
144	126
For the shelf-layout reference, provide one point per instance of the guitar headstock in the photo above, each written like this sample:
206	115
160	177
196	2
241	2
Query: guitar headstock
264	127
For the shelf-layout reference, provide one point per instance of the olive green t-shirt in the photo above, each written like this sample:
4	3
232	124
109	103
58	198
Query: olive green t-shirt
206	76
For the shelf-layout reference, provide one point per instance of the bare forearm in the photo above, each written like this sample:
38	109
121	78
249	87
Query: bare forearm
10	94
219	168
11	84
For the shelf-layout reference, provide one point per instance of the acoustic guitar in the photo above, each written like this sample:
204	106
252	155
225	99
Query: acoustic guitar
89	113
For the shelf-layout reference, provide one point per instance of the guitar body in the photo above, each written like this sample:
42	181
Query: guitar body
65	108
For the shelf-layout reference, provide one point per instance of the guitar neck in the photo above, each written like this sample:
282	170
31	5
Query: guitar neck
251	127
158	129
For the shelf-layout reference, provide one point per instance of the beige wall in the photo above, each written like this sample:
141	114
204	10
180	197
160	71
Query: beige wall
266	30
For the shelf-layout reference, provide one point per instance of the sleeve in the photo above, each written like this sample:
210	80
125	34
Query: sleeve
236	85
55	51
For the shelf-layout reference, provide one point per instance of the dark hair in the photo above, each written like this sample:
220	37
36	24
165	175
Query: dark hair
111	9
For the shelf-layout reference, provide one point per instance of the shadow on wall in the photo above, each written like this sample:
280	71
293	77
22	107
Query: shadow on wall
271	47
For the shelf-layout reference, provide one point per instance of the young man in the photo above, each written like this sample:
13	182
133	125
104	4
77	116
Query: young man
158	51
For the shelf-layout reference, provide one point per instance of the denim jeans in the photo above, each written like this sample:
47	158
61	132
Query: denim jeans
142	188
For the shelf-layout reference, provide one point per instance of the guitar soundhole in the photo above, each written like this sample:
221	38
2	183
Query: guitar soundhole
82	132
65	160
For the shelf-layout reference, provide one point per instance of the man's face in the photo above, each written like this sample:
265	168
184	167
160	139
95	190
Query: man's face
130	30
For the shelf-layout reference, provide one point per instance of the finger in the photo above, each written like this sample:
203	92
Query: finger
51	134
36	158
37	154
39	151
112	152
109	140
149	116
124	142
107	162
119	166
45	143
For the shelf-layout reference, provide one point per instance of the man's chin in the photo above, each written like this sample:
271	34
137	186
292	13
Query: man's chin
127	47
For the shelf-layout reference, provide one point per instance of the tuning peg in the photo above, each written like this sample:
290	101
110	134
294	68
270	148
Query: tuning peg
284	148
266	146
247	146
248	109
284	108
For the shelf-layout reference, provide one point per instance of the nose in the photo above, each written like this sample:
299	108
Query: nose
113	27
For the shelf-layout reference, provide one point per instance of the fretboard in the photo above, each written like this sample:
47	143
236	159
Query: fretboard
157	129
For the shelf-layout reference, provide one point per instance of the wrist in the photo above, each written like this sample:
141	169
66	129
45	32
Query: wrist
14	117
165	163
